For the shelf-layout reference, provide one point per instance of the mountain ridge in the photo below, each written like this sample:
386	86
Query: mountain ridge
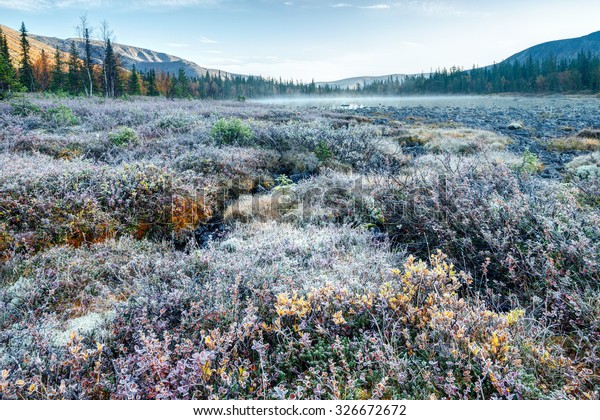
562	49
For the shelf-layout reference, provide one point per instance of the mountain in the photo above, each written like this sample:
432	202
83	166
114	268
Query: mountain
14	46
353	81
144	59
564	49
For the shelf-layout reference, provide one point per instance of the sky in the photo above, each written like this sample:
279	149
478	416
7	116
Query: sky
319	39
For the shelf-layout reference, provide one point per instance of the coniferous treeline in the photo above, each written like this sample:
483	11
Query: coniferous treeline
550	75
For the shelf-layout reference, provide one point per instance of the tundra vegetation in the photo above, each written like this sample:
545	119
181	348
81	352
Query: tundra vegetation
212	250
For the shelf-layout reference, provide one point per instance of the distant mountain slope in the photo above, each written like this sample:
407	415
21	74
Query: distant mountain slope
561	49
14	46
353	81
144	59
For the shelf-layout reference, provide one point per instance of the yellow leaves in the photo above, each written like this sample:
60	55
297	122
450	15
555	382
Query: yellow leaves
367	300
338	319
31	388
385	290
293	306
495	342
243	375
99	347
497	345
207	371
514	316
4	374
210	344
448	314
20	382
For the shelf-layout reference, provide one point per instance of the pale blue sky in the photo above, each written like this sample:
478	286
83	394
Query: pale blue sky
324	40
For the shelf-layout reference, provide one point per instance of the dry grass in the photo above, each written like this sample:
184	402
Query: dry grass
457	140
567	144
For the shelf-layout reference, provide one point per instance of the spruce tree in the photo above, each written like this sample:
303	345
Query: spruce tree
110	71
74	71
133	86
151	82
4	52
58	76
25	71
8	78
180	85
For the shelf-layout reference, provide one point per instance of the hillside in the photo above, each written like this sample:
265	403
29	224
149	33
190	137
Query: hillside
144	59
14	45
565	49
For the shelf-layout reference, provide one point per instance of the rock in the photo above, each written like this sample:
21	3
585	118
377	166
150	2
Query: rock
516	125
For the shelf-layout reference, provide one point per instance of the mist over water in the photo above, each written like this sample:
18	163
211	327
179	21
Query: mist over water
427	101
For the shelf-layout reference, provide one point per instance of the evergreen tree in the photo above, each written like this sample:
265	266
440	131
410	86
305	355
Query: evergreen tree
133	86
74	71
151	83
4	52
89	71
110	71
58	76
181	85
25	71
8	78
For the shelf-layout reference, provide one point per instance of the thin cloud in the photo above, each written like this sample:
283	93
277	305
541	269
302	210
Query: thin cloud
377	7
33	5
205	40
340	5
24	5
437	8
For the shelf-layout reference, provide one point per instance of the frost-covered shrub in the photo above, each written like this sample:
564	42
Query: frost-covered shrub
61	116
231	132
124	137
48	202
523	238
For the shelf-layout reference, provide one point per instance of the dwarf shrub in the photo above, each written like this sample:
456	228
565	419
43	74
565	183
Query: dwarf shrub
123	137
231	132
